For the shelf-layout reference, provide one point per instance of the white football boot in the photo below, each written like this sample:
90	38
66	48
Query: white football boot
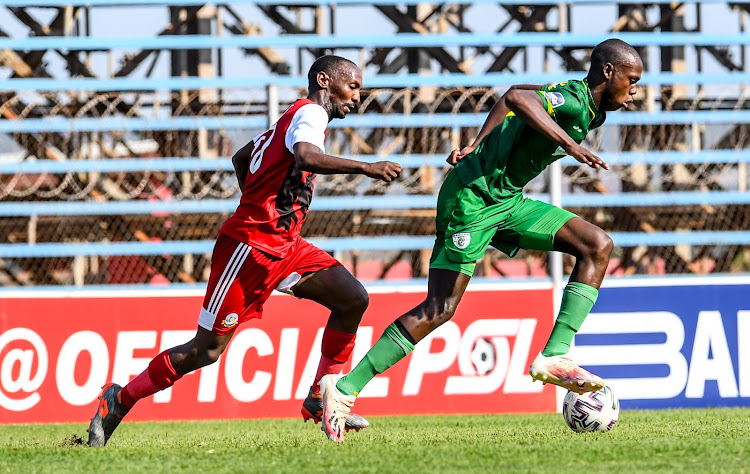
560	370
336	406
312	409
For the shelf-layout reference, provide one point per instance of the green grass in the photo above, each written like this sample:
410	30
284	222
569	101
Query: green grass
713	440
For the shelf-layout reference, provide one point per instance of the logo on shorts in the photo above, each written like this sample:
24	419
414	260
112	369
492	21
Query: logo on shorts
555	98
461	240
231	320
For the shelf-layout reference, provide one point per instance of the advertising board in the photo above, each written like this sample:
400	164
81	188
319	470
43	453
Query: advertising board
56	353
682	343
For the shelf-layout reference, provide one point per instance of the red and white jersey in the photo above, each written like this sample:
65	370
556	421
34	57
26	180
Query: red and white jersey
277	194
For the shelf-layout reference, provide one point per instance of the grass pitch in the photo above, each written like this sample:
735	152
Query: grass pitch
712	440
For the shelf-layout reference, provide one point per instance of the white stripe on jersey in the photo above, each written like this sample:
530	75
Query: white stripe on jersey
223	276
206	320
228	276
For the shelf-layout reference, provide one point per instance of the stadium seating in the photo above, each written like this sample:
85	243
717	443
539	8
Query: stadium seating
170	204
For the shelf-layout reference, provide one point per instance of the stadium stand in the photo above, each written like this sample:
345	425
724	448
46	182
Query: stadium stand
122	174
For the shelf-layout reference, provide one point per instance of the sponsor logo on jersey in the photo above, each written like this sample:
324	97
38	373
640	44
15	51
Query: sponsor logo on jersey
555	98
577	129
231	320
461	240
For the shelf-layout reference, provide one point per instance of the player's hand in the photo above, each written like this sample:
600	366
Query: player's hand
383	170
457	155
585	156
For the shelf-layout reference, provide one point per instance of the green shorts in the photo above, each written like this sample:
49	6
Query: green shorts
466	226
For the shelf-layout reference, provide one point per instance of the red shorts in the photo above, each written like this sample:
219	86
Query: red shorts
242	278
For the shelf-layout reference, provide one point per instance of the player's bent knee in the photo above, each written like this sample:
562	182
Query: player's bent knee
439	313
199	355
604	246
599	247
357	300
204	356
447	314
361	300
439	319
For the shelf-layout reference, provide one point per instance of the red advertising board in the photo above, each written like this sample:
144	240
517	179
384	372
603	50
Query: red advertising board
56	353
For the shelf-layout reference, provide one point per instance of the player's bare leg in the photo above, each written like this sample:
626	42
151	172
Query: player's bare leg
445	288
163	371
591	247
444	291
338	290
204	349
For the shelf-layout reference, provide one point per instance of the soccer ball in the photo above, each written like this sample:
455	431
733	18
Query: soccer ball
591	411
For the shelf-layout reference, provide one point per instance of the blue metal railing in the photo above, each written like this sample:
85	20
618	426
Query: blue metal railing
93	124
89	208
493	79
135	165
447	120
46	250
342	203
127	165
401	40
621	239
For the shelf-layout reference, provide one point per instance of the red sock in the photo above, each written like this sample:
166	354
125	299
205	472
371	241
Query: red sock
159	375
336	349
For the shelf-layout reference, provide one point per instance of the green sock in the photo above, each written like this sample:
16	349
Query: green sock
577	301
390	348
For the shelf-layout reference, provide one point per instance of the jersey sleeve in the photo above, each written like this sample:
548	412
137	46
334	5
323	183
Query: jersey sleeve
308	125
563	104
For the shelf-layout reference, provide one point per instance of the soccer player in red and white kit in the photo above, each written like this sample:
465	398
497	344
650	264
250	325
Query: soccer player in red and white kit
259	248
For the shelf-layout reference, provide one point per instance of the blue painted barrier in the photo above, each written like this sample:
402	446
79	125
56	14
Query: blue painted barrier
258	122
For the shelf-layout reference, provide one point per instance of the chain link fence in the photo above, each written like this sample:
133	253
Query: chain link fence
149	184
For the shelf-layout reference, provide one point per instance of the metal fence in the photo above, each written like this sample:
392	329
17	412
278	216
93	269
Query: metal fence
113	205
108	180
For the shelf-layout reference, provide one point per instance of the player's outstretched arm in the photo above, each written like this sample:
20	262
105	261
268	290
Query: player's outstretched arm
311	158
496	116
528	106
241	163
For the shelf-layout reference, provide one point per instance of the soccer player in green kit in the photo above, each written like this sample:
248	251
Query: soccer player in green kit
481	204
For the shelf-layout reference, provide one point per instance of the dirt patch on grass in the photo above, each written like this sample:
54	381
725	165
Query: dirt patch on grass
72	441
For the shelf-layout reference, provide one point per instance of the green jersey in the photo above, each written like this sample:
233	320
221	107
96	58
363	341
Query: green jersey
513	153
481	203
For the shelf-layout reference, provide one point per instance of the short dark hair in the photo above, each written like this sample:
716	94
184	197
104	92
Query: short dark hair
328	64
613	51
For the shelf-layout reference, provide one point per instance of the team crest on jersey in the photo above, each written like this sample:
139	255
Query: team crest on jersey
231	320
555	98
461	240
